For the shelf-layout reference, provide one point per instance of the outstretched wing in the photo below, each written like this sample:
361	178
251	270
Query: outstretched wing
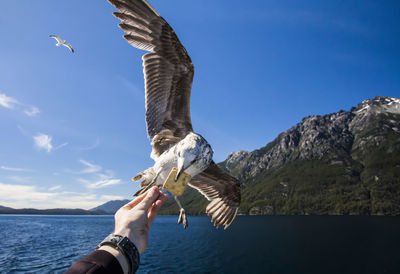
58	38
222	190
69	46
168	69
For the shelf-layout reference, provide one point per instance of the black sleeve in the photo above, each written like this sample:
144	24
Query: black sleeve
97	262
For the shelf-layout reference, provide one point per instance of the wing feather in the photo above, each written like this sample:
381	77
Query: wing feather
58	38
132	8
69	46
222	190
128	28
168	71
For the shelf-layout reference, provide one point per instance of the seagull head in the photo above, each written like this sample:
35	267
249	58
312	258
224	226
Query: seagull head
194	155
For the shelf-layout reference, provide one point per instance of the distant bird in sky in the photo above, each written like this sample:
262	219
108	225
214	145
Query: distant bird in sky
61	42
168	73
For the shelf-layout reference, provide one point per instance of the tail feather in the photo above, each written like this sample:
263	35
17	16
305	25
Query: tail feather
144	189
148	176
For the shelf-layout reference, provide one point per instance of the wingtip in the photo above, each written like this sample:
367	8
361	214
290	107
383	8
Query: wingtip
117	13
229	222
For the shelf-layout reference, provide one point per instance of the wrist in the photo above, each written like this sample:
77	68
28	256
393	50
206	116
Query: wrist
123	261
134	239
125	247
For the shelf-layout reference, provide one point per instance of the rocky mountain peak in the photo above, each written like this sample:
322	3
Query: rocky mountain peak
336	134
236	156
378	105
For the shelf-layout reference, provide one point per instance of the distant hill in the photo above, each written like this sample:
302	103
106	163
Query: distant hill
110	207
54	211
4	208
341	163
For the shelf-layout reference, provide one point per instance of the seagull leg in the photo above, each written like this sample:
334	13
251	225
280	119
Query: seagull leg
182	215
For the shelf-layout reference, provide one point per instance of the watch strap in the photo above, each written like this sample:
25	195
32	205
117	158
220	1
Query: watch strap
126	247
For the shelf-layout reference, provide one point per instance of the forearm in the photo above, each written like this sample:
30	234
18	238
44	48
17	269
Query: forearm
118	255
106	259
99	261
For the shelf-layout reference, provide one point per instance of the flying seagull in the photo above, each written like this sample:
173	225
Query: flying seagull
61	42
168	73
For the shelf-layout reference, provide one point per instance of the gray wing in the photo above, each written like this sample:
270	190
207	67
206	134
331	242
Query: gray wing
222	190
58	38
168	69
69	46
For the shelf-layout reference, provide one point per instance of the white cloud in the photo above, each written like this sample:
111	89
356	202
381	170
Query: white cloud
103	182
60	146
20	179
90	168
83	200
7	102
96	179
111	197
29	196
43	141
16	169
95	145
32	111
11	103
55	188
23	193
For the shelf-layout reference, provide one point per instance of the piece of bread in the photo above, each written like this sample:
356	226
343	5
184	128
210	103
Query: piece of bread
176	187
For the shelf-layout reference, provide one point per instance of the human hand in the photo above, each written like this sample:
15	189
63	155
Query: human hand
134	219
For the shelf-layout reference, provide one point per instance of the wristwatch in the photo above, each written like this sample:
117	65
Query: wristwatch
126	247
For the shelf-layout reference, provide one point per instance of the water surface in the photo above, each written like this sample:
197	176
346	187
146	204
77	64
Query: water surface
253	244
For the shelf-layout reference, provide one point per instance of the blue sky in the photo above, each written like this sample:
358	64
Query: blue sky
72	129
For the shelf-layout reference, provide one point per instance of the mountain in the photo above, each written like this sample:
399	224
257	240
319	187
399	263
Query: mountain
53	211
341	163
4	208
110	207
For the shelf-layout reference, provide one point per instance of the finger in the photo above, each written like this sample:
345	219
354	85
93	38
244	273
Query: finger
135	201
156	207
151	197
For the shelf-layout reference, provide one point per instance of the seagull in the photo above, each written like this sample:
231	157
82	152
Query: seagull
168	73
61	42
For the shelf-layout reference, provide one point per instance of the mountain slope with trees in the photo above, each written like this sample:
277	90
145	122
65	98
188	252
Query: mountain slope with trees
341	163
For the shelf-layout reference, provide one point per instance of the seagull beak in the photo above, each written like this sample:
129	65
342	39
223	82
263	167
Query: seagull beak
180	169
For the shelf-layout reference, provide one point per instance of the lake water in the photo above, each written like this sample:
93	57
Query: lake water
253	244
